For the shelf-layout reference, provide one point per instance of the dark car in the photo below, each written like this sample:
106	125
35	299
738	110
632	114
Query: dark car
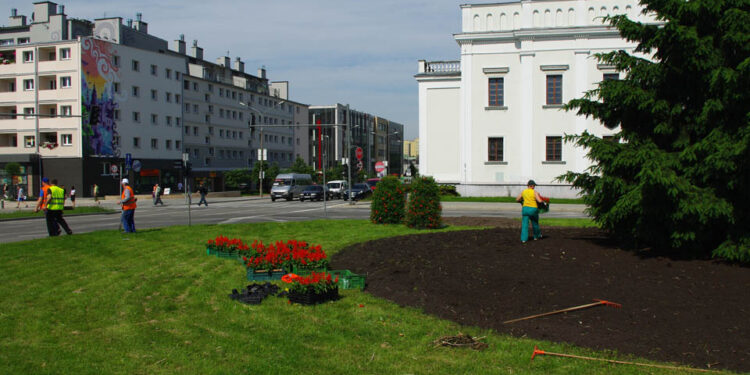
359	191
313	193
372	183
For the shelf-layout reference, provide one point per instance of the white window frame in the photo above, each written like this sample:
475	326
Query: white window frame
66	82
66	110
65	54
28	56
66	139
28	85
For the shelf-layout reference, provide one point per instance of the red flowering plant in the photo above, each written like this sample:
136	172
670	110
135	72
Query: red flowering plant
287	255
223	244
315	283
388	201
424	210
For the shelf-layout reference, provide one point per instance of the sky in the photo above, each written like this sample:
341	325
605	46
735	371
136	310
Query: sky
357	52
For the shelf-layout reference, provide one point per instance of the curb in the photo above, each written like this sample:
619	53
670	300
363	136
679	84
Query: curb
70	215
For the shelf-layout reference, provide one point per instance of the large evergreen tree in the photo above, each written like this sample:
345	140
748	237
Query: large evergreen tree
676	176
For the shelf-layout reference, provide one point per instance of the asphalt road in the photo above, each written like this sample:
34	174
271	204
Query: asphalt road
243	210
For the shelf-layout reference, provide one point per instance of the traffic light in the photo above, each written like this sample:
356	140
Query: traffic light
188	168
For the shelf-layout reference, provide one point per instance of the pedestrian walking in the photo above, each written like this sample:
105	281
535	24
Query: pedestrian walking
96	194
157	195
54	214
73	196
203	191
128	203
6	189
179	186
530	200
20	197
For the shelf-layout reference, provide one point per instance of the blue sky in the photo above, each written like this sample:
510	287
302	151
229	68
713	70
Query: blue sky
348	51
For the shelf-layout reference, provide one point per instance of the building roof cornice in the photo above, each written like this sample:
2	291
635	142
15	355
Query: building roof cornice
538	33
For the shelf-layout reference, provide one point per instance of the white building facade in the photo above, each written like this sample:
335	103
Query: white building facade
493	120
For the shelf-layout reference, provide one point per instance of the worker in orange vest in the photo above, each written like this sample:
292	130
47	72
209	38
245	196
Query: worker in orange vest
53	229
127	201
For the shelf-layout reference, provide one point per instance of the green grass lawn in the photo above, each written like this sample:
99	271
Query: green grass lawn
450	198
155	303
78	210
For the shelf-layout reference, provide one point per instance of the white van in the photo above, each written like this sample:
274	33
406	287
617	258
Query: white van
337	187
289	185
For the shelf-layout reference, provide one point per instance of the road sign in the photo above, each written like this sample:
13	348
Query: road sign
128	161
113	169
262	154
185	156
137	166
379	166
359	153
177	164
359	166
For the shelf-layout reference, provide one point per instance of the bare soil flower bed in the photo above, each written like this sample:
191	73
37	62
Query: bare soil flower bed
694	312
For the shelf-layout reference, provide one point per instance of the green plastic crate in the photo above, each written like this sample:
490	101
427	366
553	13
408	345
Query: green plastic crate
306	271
253	275
349	279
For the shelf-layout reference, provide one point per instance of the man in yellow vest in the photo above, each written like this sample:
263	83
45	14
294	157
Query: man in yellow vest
54	214
127	200
530	199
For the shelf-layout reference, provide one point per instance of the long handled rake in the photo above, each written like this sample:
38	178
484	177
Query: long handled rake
538	351
598	302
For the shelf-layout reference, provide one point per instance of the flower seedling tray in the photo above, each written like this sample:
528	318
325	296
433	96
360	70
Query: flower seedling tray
264	275
306	271
349	279
313	298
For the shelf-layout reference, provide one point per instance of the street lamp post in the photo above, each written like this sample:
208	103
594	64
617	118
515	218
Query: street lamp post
349	152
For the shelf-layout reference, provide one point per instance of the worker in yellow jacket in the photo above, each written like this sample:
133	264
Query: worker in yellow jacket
530	199
54	210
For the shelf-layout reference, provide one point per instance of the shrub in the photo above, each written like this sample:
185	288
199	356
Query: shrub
449	190
424	209
388	202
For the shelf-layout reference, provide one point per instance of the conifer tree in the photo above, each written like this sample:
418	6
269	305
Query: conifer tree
677	174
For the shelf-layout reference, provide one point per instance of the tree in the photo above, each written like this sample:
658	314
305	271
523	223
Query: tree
12	169
300	166
675	176
237	178
268	172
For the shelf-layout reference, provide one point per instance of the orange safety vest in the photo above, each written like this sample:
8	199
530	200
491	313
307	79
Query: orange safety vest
45	193
129	205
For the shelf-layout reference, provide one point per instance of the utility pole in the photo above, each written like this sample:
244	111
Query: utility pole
261	152
348	152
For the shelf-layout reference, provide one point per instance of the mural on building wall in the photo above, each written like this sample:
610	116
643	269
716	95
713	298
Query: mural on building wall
98	98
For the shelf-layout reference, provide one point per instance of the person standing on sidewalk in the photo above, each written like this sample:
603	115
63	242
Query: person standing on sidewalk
530	200
157	195
20	196
203	191
128	203
96	194
55	204
41	204
73	196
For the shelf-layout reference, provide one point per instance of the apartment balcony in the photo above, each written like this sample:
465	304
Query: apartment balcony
439	68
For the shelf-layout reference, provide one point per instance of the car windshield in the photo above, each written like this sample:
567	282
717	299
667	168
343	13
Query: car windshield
282	182
372	183
334	185
314	188
360	186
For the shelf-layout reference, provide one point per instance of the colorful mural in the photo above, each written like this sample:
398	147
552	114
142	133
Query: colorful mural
98	98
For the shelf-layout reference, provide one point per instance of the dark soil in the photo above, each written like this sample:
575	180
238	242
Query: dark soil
692	312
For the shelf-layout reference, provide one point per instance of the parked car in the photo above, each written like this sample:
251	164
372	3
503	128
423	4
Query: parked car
372	183
289	185
359	191
337	188
314	193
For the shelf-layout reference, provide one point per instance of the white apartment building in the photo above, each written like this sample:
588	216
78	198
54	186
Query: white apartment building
493	120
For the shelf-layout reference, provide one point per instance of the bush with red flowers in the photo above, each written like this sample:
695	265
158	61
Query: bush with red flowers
424	210
286	255
388	201
315	283
226	245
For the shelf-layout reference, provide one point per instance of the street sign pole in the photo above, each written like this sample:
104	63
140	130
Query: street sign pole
185	159
349	152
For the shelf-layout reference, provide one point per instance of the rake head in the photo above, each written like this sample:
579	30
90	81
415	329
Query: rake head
608	303
536	352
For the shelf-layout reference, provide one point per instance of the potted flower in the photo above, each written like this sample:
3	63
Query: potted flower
270	262
318	287
224	247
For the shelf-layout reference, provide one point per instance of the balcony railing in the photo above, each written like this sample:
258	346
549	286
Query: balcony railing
439	67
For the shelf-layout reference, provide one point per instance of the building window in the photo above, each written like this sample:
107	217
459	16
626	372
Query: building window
65	82
195	130
64	53
177	76
28	56
177	98
554	89
221	133
168	144
611	76
116	87
221	91
136	91
28	84
177	121
136	117
153	70
187	107
186	85
495	149
66	110
195	108
28	112
177	145
169	97
116	61
136	142
154	94
135	65
168	73
154	143
195	86
28	141
154	119
66	139
554	149
496	92
187	130
169	120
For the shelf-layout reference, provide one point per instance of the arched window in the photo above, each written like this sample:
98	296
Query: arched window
477	23
559	19
592	16
491	22
571	17
537	20
503	22
516	21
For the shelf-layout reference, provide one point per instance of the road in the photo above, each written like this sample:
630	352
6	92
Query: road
244	210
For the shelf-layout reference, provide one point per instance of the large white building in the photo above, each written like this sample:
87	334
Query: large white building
493	120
